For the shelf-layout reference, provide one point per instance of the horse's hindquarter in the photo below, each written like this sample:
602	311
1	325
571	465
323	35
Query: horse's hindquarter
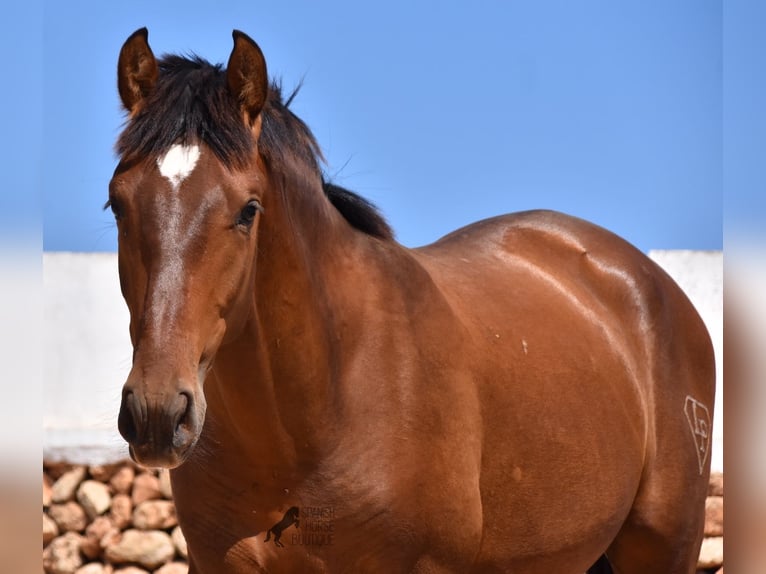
563	318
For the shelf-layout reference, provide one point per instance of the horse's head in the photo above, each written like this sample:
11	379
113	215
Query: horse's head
186	195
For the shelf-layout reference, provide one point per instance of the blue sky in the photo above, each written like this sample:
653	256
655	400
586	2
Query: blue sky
442	113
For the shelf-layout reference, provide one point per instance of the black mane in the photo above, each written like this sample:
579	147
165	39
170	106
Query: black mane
358	211
192	104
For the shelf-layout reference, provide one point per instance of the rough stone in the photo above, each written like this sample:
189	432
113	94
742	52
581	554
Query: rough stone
95	568
711	553
94	497
94	534
145	487
165	487
64	488
122	480
70	517
715	486
150	549
56	469
62	555
155	515
714	516
121	511
47	490
179	541
131	570
50	529
103	472
173	568
111	538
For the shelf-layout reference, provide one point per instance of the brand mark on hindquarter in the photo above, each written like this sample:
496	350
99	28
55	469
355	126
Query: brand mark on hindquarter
698	417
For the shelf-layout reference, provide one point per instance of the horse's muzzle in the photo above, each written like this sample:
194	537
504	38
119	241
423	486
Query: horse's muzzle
160	433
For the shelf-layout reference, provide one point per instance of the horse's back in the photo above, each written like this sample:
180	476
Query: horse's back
586	352
526	267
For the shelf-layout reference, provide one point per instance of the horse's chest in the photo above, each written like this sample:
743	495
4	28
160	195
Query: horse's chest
248	526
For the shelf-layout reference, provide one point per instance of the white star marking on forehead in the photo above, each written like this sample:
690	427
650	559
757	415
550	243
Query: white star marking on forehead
178	163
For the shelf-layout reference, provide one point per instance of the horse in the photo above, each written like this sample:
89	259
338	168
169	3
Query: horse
528	394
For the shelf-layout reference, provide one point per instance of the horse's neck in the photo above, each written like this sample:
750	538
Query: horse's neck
274	382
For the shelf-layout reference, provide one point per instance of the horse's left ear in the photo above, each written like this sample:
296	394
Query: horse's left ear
137	70
246	76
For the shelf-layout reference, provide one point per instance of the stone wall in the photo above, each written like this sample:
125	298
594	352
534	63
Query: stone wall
711	553
110	519
120	519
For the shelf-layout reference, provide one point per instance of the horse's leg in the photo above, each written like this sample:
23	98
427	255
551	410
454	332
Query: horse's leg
601	567
192	566
664	529
641	549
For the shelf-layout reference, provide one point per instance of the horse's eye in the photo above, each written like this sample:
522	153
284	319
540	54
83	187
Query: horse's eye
247	215
115	207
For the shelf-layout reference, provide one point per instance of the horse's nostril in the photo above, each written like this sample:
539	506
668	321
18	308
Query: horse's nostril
183	406
183	429
126	421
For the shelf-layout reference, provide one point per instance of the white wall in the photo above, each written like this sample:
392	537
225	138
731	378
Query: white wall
87	357
88	352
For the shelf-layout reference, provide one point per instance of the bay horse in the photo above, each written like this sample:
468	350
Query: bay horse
528	394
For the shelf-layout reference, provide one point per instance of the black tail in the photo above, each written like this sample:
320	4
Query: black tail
601	566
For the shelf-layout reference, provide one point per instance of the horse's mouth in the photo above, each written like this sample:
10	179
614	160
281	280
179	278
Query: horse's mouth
149	456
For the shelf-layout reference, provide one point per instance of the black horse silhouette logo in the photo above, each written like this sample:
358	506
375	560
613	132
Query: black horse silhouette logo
290	518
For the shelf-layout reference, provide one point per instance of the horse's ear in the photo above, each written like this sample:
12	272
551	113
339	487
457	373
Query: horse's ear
137	70
246	76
